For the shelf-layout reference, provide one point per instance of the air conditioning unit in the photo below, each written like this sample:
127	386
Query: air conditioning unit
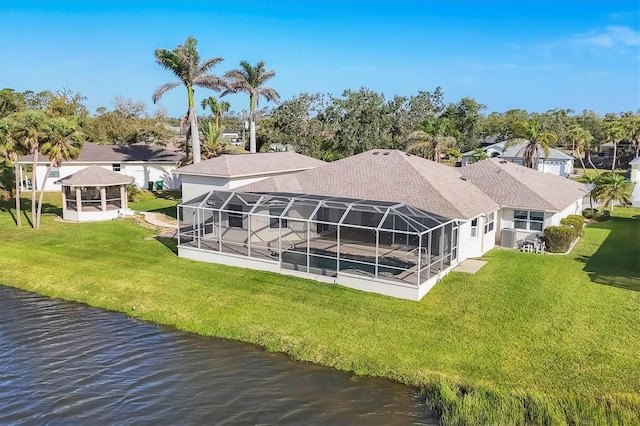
509	238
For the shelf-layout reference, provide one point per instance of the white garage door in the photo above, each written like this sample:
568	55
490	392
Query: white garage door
555	168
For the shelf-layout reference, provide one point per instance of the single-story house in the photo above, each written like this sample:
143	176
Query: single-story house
530	200
557	163
143	163
231	171
381	221
635	178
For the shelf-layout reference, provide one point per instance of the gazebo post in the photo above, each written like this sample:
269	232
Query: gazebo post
64	198
78	199
124	201
103	198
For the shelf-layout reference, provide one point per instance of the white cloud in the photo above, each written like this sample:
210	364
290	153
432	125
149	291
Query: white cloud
609	37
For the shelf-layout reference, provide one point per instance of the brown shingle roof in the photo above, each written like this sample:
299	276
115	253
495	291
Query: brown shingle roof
95	153
513	185
251	164
94	176
387	175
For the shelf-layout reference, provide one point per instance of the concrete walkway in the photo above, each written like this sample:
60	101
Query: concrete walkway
157	219
470	266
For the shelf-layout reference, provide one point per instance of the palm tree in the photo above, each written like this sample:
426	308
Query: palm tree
11	149
217	107
478	155
432	139
428	146
590	181
250	80
581	140
63	143
6	180
184	62
632	129
529	132
31	128
611	187
213	145
614	133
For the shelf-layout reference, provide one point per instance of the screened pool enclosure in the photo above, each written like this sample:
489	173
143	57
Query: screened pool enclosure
333	237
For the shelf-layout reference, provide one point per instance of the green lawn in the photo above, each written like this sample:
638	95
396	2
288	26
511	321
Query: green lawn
157	201
529	338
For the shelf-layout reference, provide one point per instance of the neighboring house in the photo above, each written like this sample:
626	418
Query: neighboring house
233	137
381	221
635	178
231	171
531	201
144	163
557	163
624	155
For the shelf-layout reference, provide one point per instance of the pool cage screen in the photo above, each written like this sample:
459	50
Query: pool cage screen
322	235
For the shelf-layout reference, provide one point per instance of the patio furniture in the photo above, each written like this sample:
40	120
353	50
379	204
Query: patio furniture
533	246
528	246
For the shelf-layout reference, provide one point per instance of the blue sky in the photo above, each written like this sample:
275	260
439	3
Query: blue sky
533	55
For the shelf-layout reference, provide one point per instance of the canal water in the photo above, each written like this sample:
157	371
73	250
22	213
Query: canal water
67	363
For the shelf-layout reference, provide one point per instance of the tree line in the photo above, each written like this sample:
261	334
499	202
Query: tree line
320	125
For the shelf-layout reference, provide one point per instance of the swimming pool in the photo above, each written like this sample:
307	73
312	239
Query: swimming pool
325	260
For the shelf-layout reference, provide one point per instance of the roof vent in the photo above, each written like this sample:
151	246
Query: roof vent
463	178
386	153
503	161
375	153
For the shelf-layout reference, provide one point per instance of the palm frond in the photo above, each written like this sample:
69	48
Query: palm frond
162	89
268	93
167	59
210	81
208	64
266	76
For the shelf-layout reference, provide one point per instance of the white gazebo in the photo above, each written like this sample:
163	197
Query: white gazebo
93	194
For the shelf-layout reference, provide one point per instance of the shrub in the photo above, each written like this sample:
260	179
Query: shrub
589	213
558	238
132	192
575	222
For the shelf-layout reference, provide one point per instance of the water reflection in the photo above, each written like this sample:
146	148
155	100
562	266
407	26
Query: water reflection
66	363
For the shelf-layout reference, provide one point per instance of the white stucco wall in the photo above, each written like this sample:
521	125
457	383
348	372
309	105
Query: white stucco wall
550	219
143	173
194	186
475	247
635	173
388	288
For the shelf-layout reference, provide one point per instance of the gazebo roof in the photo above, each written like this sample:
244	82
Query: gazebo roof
94	176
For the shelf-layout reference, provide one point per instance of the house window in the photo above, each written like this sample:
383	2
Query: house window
528	220
235	219
276	211
474	228
488	227
115	167
54	173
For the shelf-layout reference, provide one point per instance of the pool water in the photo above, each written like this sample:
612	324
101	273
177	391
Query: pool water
325	260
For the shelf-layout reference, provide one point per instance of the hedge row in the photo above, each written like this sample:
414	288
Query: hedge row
574	221
558	238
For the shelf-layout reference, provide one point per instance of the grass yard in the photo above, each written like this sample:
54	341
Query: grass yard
529	339
157	201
